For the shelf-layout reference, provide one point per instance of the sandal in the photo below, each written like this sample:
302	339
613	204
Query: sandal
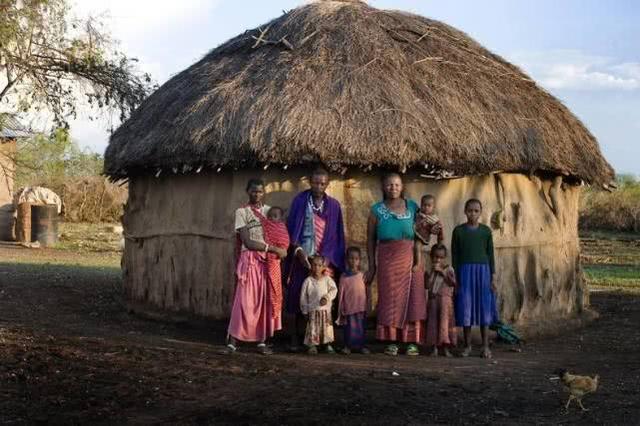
345	351
412	350
365	351
434	352
466	352
263	349
229	350
486	353
313	350
329	349
447	353
391	350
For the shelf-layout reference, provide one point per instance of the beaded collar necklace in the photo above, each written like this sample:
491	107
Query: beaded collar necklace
313	206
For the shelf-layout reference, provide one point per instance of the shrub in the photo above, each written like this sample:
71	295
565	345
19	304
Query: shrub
612	211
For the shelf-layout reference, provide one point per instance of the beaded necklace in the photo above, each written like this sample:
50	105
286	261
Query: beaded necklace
313	206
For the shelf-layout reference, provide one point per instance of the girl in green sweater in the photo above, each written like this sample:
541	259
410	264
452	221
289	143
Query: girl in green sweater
473	260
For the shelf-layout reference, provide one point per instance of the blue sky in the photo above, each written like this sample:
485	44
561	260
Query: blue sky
585	52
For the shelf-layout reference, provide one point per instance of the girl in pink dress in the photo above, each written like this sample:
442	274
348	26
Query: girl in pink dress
352	304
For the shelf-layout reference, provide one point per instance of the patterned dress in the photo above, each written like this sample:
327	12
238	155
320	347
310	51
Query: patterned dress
319	324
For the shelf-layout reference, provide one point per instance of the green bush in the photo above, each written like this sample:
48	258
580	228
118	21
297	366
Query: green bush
612	211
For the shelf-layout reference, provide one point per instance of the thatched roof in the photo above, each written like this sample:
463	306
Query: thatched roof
346	84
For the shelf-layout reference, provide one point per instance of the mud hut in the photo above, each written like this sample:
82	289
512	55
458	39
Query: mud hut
10	131
360	90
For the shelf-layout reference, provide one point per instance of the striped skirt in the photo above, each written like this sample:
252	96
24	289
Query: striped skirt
402	306
475	303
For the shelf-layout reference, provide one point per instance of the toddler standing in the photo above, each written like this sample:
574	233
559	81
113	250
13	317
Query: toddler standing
441	284
316	296
352	304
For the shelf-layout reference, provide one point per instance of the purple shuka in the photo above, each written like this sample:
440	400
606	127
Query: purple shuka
332	247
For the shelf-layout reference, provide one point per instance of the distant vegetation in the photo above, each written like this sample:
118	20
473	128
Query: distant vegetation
56	162
612	211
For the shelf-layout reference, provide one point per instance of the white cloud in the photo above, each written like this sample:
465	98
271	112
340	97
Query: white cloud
138	24
142	18
575	70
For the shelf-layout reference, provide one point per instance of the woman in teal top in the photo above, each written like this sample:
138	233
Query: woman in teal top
392	252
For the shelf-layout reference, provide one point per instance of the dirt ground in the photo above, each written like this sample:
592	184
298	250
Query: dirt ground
71	354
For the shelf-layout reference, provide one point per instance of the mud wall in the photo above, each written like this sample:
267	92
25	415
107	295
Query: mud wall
7	170
178	257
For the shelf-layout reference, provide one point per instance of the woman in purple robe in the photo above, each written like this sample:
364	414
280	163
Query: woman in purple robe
315	227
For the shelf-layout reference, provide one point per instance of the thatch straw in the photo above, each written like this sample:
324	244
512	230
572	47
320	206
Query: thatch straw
346	84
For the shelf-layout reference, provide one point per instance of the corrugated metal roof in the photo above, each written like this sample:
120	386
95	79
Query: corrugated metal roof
10	127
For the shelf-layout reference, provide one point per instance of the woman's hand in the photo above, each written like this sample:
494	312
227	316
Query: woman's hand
369	276
494	289
303	258
416	268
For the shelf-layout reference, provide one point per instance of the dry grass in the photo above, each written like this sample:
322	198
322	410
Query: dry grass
346	84
92	199
617	211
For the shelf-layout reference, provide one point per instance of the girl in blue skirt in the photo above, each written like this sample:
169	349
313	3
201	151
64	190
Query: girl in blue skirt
473	260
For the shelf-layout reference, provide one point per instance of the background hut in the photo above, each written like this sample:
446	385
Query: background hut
10	130
360	90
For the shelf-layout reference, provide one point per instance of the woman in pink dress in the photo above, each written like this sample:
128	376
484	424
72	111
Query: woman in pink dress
252	318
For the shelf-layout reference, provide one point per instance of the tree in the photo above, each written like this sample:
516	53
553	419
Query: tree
50	160
49	60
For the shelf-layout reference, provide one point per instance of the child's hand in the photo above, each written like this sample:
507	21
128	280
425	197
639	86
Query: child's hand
435	229
494	289
323	301
437	267
416	268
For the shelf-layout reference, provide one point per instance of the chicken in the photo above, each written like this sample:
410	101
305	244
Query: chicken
577	386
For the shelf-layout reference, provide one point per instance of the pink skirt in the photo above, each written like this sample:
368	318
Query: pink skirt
252	319
402	306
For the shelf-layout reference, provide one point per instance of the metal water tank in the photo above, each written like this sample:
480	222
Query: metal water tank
44	224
